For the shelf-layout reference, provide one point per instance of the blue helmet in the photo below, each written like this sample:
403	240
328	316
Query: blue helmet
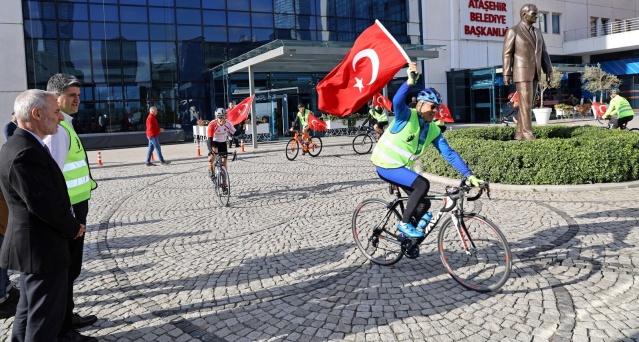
429	95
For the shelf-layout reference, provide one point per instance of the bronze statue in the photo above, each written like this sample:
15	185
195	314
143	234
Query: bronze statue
524	56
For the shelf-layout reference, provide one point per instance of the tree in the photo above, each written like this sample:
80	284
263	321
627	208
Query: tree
594	80
555	82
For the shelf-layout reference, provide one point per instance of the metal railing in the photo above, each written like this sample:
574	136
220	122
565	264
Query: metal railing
613	27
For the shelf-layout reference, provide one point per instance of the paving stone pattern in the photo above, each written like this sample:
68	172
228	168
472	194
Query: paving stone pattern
164	262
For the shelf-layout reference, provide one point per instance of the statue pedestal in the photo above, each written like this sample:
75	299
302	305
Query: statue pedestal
542	115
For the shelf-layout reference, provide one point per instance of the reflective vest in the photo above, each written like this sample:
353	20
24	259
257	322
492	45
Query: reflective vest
621	107
76	170
380	117
303	118
399	149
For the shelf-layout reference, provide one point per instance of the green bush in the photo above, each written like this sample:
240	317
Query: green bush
560	155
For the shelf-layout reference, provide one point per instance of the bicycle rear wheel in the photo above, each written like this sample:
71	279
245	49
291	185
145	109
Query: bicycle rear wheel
636	130
362	143
375	232
487	265
315	147
292	149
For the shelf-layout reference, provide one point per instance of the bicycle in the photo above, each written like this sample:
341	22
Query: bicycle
363	142
473	249
293	146
609	124
220	177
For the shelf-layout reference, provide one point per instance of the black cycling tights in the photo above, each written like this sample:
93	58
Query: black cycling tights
415	192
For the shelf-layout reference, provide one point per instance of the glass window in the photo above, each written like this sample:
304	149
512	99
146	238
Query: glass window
105	1
162	15
542	21
40	29
215	34
262	20
69	11
238	34
239	19
187	32
38	10
163	32
262	35
135	31
106	61
214	53
74	29
136	66
189	3
163	66
261	6
103	13
190	61
133	2
556	29
86	93
217	18
285	21
242	5
133	14
162	3
104	31
43	53
306	22
75	59
188	16
593	26
214	4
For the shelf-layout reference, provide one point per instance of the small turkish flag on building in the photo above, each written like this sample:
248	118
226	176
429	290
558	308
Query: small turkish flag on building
444	114
372	62
316	124
240	112
380	100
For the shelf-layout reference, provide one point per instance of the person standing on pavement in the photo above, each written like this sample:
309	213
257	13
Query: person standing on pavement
10	127
8	293
41	222
239	128
68	152
619	110
153	134
413	102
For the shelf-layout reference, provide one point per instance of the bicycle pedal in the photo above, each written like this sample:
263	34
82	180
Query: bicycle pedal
412	253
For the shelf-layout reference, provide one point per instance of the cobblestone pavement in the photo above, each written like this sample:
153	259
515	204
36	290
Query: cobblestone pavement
164	262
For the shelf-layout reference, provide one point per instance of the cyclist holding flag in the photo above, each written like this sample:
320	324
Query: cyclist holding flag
302	119
406	139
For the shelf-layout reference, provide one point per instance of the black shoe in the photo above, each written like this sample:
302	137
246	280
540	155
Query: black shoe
74	336
78	321
165	163
8	308
150	164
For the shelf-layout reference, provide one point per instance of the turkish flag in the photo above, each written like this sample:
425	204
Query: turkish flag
380	100
444	114
316	124
240	112
372	62
600	109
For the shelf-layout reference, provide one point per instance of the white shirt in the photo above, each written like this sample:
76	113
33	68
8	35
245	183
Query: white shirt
60	142
221	131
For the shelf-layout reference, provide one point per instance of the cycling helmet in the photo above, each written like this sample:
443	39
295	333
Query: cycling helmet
429	95
220	113
614	91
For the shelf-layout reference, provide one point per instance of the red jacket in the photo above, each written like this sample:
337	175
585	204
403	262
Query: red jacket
152	127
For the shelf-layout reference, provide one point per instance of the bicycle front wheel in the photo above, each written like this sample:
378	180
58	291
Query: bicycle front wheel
375	232
477	257
223	188
315	147
362	143
292	149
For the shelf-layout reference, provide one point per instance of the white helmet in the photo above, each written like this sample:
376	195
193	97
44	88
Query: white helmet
220	112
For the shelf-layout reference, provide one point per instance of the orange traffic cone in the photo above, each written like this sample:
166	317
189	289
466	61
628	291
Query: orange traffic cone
242	145
100	159
198	149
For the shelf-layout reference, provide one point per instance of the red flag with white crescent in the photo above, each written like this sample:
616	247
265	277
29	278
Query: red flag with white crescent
444	114
381	101
600	109
240	112
372	62
316	124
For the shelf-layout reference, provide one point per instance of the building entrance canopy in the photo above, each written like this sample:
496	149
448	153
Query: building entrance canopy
297	56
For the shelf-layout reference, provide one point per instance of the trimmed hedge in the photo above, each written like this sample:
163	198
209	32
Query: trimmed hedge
560	155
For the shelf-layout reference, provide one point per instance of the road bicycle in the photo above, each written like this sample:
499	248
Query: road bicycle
473	249
364	139
220	177
608	124
294	145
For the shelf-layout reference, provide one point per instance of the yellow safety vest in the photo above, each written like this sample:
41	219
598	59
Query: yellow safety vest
76	169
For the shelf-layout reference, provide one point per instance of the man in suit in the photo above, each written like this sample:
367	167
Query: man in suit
67	150
41	223
524	56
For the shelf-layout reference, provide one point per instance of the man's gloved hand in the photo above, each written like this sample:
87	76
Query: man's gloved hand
413	76
474	181
606	117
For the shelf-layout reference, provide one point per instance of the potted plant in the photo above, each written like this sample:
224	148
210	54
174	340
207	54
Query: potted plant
542	114
563	110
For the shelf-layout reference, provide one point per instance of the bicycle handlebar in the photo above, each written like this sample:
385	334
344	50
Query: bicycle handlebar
455	192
